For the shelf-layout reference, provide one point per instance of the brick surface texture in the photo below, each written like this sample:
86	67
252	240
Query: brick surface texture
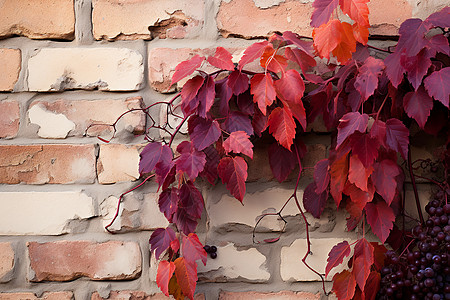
80	83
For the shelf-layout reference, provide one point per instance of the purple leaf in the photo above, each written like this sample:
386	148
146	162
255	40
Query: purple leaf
206	96
238	121
313	202
322	11
349	123
191	163
204	132
282	161
438	85
152	154
168	202
397	137
418	105
160	240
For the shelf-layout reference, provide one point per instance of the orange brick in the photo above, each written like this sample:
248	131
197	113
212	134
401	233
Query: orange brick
31	296
9	118
10	64
6	262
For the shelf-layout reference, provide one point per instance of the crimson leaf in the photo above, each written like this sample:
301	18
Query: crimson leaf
252	52
152	154
189	99
365	147
384	180
397	136
337	255
381	218
206	96
372	286
394	69
349	123
417	66
204	132
321	175
344	285
263	90
358	174
233	172
304	60
367	79
418	105
438	85
168	202
191	163
222	59
163	275
363	262
186	68
192	249
212	161
282	126
237	82
238	142
314	202
378	132
190	208
160	240
282	161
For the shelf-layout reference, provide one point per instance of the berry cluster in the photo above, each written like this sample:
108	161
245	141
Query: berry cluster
212	250
423	273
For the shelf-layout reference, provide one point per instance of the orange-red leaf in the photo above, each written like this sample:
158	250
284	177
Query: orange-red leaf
363	262
344	285
357	10
239	142
263	91
327	37
282	126
253	52
358	174
272	61
186	273
347	45
338	178
337	255
175	289
361	33
164	274
233	172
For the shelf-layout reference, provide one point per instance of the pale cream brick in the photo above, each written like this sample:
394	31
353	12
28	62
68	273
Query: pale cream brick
7	262
43	213
117	163
10	64
136	213
9	118
62	118
232	264
69	260
283	295
107	69
38	19
151	19
293	269
32	296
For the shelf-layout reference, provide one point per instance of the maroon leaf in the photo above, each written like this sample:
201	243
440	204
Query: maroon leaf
372	286
344	285
440	18
282	126
186	273
349	123
384	179
378	132
204	132
189	99
363	262
163	275
238	142
337	255
418	105
322	11
394	69
439	43
245	103
259	122
192	249
165	173
438	85
397	136
233	171
365	147
314	202
304	60
160	240
263	90
238	121
168	202
321	175
417	66
252	52
367	80
186	68
282	161
191	163
222	59
190	208
238	82
212	161
224	93
206	96
304	46
412	36
380	218
152	154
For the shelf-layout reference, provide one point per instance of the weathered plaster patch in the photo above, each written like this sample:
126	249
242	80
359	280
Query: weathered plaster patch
52	126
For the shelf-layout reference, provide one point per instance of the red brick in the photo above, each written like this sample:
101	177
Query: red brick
9	118
10	64
52	117
31	296
283	295
151	19
136	295
39	164
38	19
68	260
6	262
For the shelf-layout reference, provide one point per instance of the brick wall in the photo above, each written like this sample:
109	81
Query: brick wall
68	64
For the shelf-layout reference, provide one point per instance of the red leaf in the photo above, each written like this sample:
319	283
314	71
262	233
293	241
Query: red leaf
253	52
417	66
322	11
304	46
238	142
290	88
358	174
224	93
191	163
303	59
344	285
186	273
314	202
358	197
206	96
222	59
367	80
152	154
378	132
336	256
384	179
379	256
212	161
189	99
349	123
259	122
282	161
397	136
263	90
168	202
381	218
357	10
186	68
233	171
363	262
160	240
272	61
338	177
282	126
365	147
238	121
204	132
321	175
418	105
163	275
237	82
394	69
438	85
372	286
192	249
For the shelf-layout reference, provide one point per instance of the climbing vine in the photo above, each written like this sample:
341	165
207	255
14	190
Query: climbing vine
367	102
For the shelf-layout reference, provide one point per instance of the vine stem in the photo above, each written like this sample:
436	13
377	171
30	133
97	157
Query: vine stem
413	181
120	200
